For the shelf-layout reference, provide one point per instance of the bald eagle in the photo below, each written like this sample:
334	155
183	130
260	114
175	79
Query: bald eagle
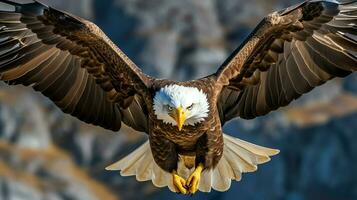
71	61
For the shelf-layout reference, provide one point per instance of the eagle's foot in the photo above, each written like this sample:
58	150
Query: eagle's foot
179	183
194	179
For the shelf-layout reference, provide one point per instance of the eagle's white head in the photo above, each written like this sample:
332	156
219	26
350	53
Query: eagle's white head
180	105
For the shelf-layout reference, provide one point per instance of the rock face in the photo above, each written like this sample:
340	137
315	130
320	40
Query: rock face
47	155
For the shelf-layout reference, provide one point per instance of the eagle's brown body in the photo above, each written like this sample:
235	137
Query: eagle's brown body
71	61
204	140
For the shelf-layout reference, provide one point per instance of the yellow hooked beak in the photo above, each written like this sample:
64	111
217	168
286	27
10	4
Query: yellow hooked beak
180	117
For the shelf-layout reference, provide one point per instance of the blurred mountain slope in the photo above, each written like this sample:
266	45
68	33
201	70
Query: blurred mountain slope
45	173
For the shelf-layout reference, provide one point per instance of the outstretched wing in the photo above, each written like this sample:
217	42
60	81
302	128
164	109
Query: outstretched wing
289	53
71	61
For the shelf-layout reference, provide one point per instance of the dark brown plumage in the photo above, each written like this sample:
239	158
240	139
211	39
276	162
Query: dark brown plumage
71	61
313	43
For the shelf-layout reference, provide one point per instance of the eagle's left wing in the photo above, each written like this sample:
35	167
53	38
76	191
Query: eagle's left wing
289	53
71	61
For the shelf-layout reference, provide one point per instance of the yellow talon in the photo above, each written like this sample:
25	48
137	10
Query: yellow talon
194	179
179	183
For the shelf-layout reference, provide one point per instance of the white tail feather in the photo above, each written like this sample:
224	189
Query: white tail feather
238	157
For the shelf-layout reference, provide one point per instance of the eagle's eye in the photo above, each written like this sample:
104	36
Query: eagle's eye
190	107
170	108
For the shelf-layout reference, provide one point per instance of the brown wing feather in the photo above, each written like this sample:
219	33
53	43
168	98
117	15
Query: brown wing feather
71	61
294	51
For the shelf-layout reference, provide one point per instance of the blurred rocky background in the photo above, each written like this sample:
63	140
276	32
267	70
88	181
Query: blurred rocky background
47	155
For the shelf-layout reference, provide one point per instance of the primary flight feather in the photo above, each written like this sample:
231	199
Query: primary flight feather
71	61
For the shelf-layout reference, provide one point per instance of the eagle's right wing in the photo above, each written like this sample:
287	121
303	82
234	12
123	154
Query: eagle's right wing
289	53
71	61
